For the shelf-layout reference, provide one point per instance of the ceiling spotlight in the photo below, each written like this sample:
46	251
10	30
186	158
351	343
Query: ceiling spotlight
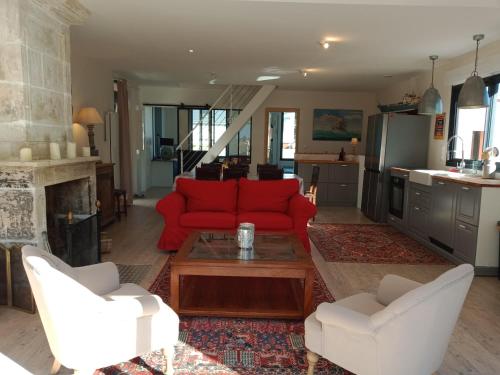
325	44
304	73
191	50
213	80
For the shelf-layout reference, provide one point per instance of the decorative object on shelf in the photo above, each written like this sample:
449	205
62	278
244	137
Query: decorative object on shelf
337	124
71	150
85	151
490	166
431	102
55	151
342	154
408	104
439	126
25	154
354	143
90	117
473	93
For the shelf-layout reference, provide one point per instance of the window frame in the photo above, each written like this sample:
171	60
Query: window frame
282	125
491	82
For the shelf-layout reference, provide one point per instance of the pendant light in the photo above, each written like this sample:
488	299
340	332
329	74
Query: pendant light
473	93
431	102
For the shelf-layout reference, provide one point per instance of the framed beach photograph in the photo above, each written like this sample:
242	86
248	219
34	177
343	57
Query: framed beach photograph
337	124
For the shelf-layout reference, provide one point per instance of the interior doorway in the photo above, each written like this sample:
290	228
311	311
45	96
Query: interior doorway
281	137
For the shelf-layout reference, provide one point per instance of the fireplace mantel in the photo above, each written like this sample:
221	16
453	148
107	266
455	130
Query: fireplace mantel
23	212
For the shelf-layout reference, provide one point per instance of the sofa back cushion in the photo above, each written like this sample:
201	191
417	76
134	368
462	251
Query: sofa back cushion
201	195
271	195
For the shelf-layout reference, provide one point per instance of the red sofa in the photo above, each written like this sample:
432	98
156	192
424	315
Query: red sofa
196	205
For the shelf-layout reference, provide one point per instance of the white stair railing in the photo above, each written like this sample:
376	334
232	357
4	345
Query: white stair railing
234	97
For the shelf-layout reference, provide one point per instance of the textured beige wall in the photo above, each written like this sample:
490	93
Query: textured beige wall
35	82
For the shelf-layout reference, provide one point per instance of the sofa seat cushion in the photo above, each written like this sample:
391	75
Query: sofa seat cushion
267	220
206	219
217	196
268	196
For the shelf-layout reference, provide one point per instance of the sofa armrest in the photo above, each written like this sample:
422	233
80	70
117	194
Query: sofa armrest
300	206
392	287
171	207
99	278
333	314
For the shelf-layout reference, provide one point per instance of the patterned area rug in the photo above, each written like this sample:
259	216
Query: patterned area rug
226	346
369	243
131	273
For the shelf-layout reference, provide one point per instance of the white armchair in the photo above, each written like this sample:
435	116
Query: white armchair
404	329
91	321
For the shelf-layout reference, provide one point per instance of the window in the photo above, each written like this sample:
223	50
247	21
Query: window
212	127
478	127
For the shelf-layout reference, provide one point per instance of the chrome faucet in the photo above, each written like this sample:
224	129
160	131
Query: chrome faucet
461	166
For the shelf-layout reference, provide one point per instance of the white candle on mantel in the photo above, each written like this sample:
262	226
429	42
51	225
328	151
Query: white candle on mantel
71	150
25	154
85	151
55	151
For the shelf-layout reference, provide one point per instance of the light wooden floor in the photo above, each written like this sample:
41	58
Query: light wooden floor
474	348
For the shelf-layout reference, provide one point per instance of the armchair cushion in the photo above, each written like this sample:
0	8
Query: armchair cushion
392	287
363	303
216	196
269	196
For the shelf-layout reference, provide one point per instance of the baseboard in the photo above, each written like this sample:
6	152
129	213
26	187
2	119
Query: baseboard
485	271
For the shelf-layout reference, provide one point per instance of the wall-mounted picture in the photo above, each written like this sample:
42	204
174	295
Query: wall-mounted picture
337	124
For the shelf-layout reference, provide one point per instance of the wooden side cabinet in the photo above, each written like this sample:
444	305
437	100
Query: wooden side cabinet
105	187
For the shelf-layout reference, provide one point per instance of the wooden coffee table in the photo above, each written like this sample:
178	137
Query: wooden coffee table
211	276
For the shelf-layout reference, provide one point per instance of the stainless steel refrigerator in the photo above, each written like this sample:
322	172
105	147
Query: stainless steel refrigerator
393	140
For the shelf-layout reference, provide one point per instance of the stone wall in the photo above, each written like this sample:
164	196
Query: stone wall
35	79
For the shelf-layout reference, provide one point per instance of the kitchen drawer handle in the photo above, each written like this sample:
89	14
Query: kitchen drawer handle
343	165
405	175
465	188
417	208
461	226
441	183
417	193
343	185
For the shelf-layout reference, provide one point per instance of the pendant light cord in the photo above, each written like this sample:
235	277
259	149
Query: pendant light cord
432	77
474	73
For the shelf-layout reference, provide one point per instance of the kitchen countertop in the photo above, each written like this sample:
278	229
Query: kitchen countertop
398	169
326	161
471	181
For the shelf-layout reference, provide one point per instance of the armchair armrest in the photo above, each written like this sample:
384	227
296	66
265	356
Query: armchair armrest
171	207
392	287
100	278
133	307
333	314
299	206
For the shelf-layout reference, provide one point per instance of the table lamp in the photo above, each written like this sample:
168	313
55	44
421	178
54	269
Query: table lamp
90	117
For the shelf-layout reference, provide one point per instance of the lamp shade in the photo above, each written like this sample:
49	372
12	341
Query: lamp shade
89	116
473	93
431	102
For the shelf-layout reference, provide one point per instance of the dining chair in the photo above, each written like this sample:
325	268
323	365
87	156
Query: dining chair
270	174
234	173
204	173
313	188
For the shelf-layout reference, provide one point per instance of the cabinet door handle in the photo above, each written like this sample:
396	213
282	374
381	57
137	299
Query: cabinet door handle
461	226
417	193
441	183
405	175
343	185
417	208
343	165
465	188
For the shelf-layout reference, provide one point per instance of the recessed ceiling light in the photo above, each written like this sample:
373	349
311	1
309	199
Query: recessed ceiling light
304	73
267	78
325	44
191	50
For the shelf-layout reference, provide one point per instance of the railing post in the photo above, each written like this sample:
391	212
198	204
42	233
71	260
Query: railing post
182	161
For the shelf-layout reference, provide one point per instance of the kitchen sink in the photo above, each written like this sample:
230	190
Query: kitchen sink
424	176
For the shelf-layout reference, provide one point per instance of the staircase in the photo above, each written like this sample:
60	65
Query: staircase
240	102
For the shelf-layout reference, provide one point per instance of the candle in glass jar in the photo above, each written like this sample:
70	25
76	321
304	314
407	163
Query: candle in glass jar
55	151
25	154
71	150
85	151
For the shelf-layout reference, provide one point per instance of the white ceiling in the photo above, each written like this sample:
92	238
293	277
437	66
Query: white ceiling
240	40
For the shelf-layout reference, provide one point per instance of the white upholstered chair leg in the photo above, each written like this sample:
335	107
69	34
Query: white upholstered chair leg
312	359
168	355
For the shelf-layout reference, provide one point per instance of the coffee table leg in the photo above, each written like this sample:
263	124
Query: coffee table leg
174	290
308	293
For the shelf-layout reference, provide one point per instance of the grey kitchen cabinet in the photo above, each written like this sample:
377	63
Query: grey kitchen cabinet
468	204
443	212
418	220
465	242
337	183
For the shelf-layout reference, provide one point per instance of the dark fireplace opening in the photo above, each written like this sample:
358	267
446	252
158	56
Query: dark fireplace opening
73	232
